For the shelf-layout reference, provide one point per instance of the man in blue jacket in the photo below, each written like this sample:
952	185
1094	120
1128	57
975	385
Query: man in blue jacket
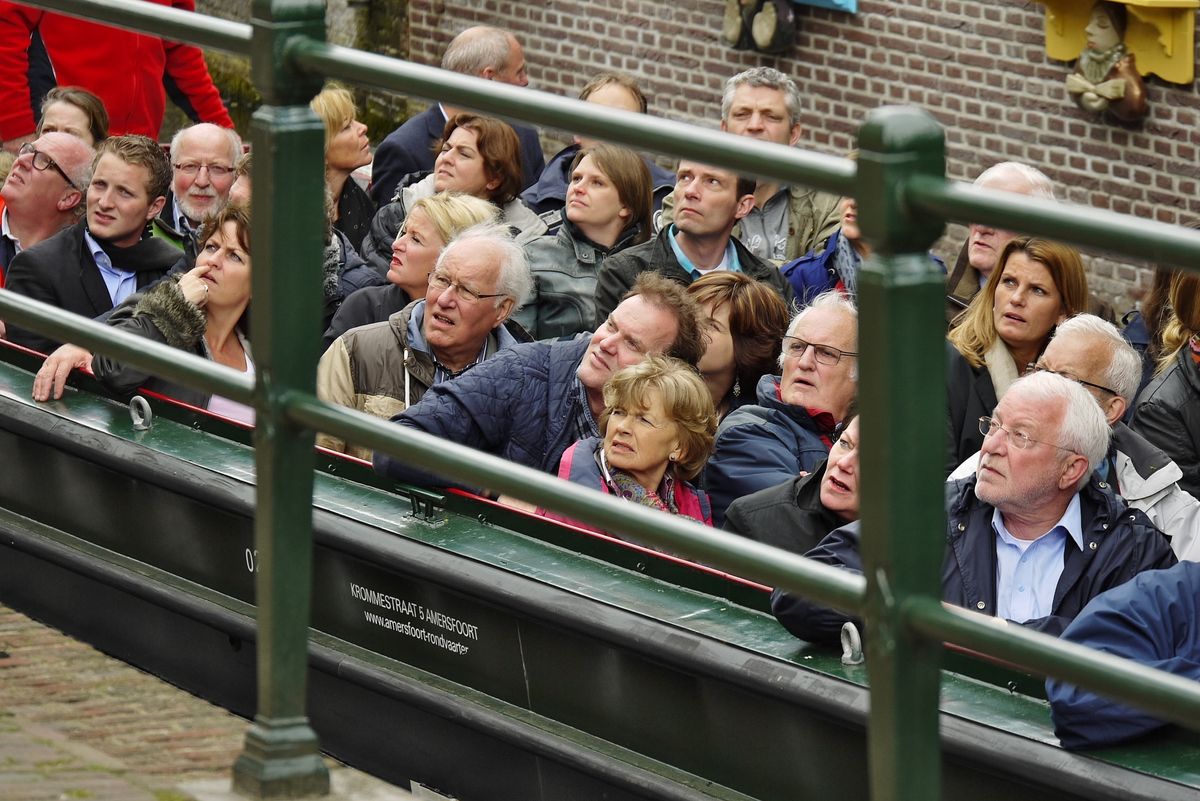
532	401
1155	620
1033	536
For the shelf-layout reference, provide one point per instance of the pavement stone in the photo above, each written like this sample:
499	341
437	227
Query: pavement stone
77	725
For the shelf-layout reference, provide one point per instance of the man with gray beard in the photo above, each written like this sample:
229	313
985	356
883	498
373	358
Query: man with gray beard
203	158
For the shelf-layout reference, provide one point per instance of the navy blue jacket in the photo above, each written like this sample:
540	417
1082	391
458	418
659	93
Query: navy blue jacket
409	149
1153	619
760	446
1118	543
519	404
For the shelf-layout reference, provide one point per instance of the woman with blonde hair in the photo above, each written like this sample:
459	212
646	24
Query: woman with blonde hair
431	224
1035	286
1168	409
346	149
658	424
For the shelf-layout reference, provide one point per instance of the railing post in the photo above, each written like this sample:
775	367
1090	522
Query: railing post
902	392
281	758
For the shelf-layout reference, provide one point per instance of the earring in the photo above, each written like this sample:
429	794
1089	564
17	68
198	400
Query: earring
737	387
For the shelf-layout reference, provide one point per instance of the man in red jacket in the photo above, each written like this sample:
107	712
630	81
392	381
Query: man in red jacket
130	72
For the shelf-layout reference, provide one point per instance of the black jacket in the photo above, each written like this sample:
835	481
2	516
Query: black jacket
1168	414
788	515
619	272
969	396
60	271
1118	543
372	304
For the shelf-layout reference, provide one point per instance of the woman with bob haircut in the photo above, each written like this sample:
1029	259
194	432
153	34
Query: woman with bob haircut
1168	409
658	425
479	156
346	149
607	209
746	321
1035	286
75	111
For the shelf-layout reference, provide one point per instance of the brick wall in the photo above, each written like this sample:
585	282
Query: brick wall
979	68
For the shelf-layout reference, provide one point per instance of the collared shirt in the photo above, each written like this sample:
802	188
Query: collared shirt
1027	571
182	224
10	246
120	283
765	231
584	425
728	262
416	341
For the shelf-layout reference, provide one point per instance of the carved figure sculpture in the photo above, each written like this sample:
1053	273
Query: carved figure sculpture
1105	76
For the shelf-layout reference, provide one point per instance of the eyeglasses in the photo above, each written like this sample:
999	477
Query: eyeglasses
214	170
1018	439
1036	368
794	347
43	162
441	282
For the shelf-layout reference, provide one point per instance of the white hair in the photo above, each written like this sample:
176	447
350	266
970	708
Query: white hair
1123	372
767	77
514	280
1039	184
1084	429
830	301
235	142
476	49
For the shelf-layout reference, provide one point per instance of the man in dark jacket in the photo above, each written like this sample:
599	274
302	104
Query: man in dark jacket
1153	619
489	53
1033	536
530	402
93	265
709	202
203	158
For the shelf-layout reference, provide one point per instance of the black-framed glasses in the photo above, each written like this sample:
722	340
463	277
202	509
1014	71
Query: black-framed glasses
794	347
1037	368
43	162
1018	439
441	282
214	170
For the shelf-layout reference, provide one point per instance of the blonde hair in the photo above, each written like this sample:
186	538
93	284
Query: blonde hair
335	106
685	397
1184	322
974	330
453	212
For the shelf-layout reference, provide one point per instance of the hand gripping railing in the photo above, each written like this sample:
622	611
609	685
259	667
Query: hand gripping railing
904	200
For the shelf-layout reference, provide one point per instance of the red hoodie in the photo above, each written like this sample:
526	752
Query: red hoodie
125	69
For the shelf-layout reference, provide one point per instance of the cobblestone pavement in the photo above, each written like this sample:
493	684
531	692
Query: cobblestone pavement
76	725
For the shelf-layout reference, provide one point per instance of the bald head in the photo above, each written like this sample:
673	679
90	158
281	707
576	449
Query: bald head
490	53
69	152
985	242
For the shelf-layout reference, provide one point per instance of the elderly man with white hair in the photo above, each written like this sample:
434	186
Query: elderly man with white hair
480	278
1091	352
789	431
1033	535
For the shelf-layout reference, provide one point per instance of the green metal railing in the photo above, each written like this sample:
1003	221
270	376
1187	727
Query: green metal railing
904	199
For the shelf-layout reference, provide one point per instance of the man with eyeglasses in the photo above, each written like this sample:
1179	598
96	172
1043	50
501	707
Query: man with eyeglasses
1092	352
789	431
43	193
479	280
1033	535
530	402
90	267
204	158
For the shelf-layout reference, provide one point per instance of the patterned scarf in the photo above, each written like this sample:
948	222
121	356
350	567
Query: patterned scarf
846	261
626	486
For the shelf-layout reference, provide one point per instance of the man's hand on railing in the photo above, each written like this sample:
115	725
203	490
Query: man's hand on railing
51	379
